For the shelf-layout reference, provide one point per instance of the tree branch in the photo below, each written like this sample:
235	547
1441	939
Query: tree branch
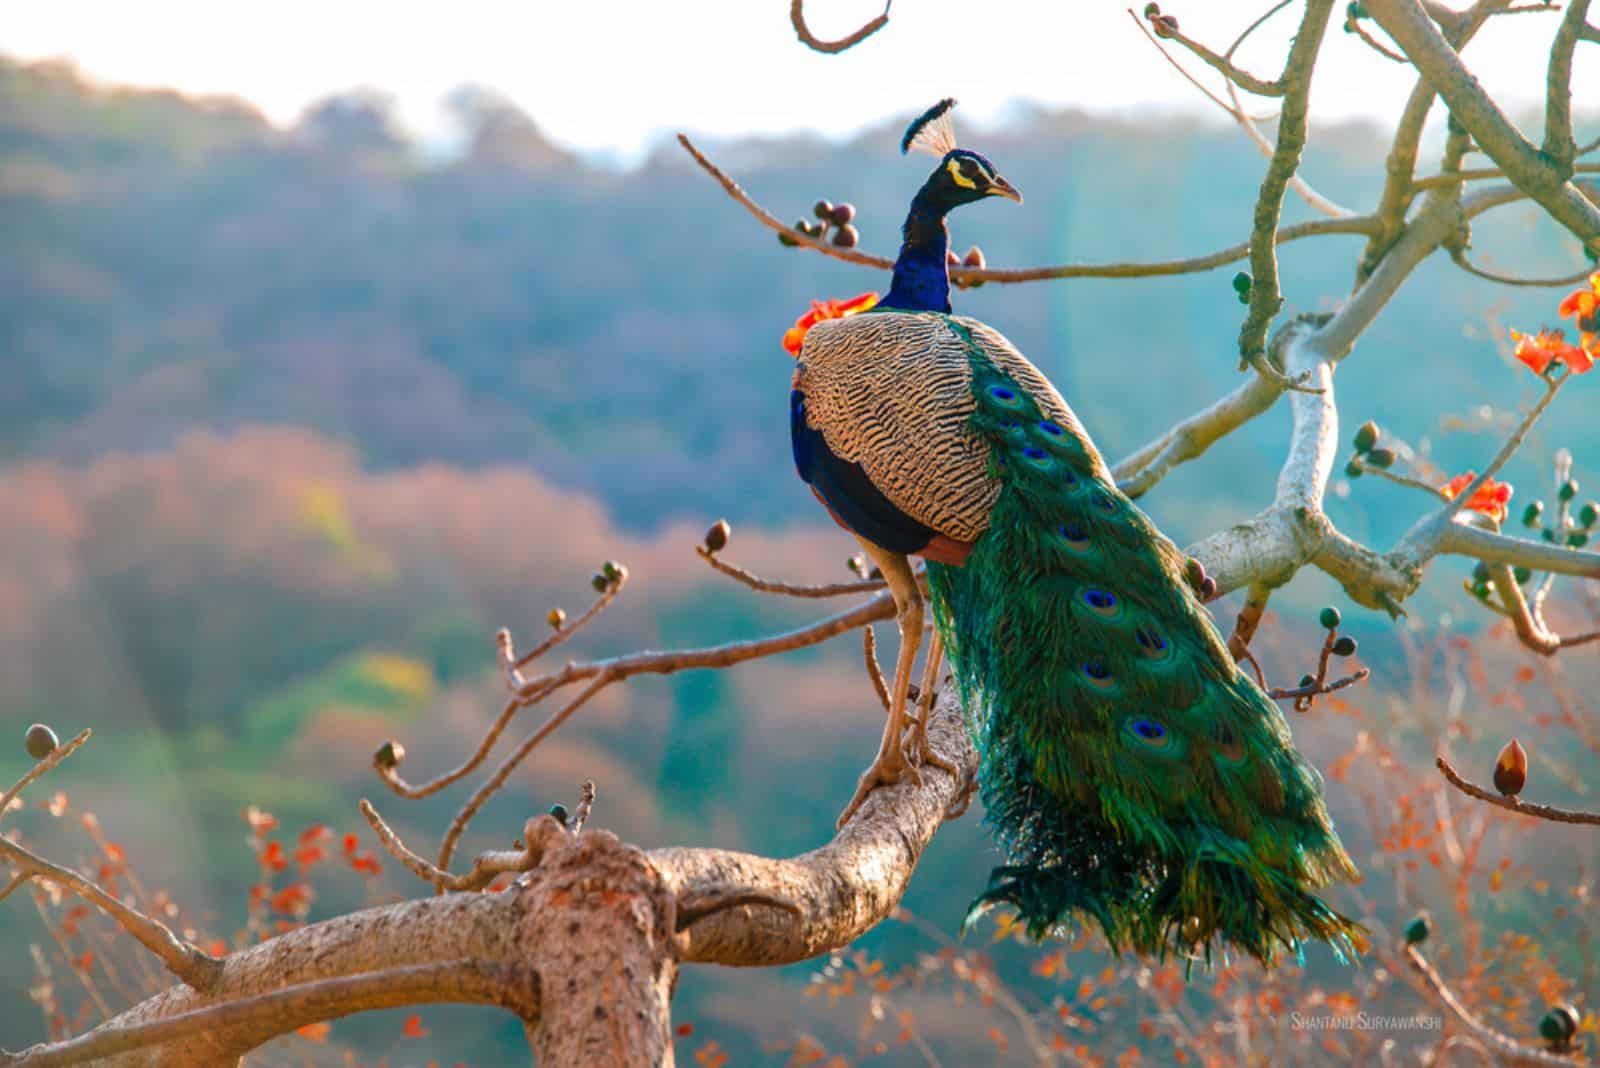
1513	804
1507	1049
1420	39
1265	296
1353	224
797	17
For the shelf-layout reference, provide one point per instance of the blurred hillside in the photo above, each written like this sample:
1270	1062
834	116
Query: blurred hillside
292	419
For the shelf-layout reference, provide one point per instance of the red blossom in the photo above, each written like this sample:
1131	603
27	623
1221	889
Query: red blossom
795	336
413	1027
1539	351
1490	498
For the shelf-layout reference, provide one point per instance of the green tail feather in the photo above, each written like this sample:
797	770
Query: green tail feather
1135	777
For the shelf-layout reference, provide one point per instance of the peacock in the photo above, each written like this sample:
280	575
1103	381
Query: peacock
1135	778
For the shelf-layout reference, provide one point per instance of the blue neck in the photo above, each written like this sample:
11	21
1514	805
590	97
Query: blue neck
921	279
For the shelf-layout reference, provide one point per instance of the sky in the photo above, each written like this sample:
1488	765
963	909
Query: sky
611	76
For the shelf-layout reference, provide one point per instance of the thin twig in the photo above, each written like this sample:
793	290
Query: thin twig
798	18
761	585
188	962
1553	384
485	869
481	795
1459	257
1507	1049
51	759
569	629
1513	804
1247	122
1316	689
1223	64
1399	479
1476	174
1355	27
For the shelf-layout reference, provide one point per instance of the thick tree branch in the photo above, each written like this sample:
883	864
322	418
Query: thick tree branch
1543	180
584	952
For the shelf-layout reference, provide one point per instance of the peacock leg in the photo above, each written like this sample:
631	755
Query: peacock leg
889	766
921	752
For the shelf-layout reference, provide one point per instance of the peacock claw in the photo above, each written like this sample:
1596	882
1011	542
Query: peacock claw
887	770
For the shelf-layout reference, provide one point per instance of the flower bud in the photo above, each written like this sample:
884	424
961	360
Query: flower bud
1531	514
1208	588
846	237
599	582
857	564
1569	490
1329	618
559	811
1152	10
1417	931
1381	458
1511	769
843	214
40	741
1344	646
556	618
1589	513
1366	436
1352	470
1480	572
1522	575
822	209
717	536
389	755
1242	282
1166	25
1307	680
1578	539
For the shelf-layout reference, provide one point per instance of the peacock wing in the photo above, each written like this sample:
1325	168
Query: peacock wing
892	392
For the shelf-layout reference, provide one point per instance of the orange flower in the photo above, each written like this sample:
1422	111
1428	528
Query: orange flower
795	336
1490	499
1584	307
1582	303
1540	350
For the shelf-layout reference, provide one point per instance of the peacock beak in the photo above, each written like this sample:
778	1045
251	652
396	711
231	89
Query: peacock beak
1003	188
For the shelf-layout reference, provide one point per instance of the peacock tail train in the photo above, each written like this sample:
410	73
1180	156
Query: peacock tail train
1134	776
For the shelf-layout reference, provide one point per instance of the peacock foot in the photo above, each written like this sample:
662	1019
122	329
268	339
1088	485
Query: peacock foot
889	769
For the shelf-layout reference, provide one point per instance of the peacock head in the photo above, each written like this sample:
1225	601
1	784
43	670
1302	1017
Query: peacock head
963	176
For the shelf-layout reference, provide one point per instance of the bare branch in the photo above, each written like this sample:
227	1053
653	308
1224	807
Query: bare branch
1507	1049
1354	224
1221	64
184	960
1142	469
761	585
1247	122
844	888
51	759
797	16
567	630
1460	259
1411	28
1265	296
485	869
461	981
1559	146
1355	27
1513	804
